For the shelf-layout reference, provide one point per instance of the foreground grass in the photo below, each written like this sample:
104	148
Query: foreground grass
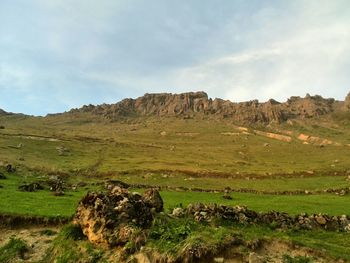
183	238
12	249
292	204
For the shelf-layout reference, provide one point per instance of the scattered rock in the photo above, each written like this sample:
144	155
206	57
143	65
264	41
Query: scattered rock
153	199
255	258
219	260
82	184
56	184
62	150
321	220
10	168
163	133
58	193
32	187
178	212
2	176
110	184
227	196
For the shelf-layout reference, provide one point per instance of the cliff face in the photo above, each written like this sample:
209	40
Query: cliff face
347	102
188	104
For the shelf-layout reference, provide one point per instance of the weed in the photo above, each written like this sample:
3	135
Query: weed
296	259
15	247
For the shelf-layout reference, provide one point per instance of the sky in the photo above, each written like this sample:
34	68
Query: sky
61	54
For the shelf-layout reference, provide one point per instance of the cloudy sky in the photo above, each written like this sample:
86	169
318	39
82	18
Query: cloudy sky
60	54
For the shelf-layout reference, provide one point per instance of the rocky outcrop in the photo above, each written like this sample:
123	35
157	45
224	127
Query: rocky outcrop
194	103
347	102
112	218
275	136
2	112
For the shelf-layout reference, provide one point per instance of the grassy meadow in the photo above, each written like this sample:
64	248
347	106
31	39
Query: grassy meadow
199	153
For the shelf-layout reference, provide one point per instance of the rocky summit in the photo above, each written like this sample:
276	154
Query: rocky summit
2	112
198	103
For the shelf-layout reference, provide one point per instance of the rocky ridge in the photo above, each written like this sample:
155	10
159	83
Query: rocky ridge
2	112
189	104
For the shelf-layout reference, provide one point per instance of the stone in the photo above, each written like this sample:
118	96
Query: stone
111	218
255	258
10	168
321	220
178	212
152	198
32	187
219	260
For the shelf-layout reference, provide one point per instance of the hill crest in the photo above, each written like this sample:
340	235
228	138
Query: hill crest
193	103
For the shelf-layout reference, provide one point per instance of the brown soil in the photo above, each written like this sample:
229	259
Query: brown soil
37	241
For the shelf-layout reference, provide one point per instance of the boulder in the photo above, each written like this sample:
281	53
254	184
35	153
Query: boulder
10	168
153	199
2	176
178	212
111	218
32	187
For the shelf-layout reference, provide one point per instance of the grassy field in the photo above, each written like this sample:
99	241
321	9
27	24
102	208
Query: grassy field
44	203
197	153
187	145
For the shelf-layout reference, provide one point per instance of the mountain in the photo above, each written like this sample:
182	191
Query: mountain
198	103
2	112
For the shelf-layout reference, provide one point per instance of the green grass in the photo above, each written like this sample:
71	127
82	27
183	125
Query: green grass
175	237
44	203
313	183
39	203
137	145
14	248
328	204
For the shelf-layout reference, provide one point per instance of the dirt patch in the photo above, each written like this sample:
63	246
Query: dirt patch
275	136
37	238
272	251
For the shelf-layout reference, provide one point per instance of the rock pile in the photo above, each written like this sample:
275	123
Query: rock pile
111	218
242	215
